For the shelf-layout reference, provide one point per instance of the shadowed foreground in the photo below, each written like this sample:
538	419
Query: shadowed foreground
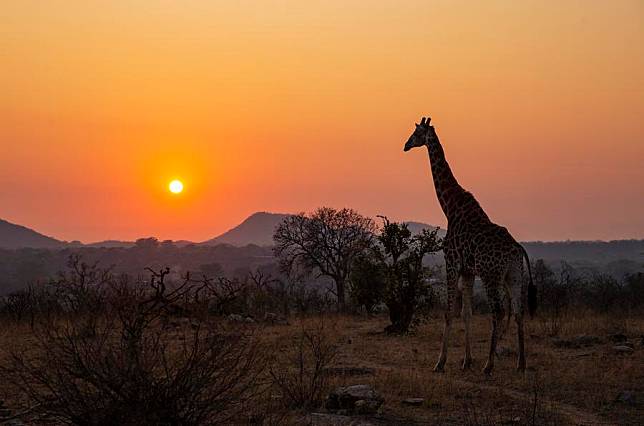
579	377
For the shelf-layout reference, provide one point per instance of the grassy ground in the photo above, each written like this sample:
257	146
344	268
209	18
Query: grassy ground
563	384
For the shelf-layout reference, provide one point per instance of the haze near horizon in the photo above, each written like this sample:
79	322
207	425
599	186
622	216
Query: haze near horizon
286	106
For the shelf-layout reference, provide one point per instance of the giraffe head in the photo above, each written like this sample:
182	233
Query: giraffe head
423	134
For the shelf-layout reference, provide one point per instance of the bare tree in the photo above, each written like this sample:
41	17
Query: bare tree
326	241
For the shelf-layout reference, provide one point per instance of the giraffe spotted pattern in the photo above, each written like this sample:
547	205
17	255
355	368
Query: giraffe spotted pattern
475	246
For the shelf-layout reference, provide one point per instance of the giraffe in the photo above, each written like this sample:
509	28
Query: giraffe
475	246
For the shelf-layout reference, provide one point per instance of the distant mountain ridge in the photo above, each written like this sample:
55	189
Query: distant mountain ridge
257	228
14	236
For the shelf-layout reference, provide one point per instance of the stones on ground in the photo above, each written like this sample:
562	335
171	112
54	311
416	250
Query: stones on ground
349	371
239	318
623	349
415	402
360	399
577	342
235	318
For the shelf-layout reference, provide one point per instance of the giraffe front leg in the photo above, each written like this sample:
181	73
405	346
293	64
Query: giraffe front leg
452	296
497	317
521	364
442	358
467	284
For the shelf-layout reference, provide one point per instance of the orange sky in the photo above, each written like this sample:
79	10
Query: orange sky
286	106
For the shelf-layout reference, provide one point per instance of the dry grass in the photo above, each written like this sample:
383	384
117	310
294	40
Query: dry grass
562	385
572	386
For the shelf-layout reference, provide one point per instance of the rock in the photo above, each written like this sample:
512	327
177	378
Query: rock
416	402
577	342
367	406
346	398
249	320
623	349
325	419
617	338
235	318
626	397
349	371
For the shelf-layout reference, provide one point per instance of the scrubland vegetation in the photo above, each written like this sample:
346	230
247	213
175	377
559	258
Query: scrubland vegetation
92	346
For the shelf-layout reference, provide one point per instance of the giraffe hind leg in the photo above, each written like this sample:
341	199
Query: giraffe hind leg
508	310
519	290
467	284
496	306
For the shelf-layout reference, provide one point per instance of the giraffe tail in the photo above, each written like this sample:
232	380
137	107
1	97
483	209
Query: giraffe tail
532	289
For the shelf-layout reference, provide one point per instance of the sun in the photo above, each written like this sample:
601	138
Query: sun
176	186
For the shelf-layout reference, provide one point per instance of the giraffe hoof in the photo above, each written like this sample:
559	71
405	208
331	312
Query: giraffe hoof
467	364
488	370
521	367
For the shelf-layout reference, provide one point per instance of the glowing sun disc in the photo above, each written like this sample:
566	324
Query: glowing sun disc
176	186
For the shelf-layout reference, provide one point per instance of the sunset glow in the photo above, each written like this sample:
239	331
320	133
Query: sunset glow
285	106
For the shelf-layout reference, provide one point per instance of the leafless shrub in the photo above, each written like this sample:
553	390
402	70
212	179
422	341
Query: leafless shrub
117	365
300	375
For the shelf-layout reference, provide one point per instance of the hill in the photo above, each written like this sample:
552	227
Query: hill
416	227
14	236
257	229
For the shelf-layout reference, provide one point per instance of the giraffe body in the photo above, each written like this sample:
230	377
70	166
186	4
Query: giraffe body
475	246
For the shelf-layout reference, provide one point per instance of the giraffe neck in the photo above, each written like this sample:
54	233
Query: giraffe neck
447	187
